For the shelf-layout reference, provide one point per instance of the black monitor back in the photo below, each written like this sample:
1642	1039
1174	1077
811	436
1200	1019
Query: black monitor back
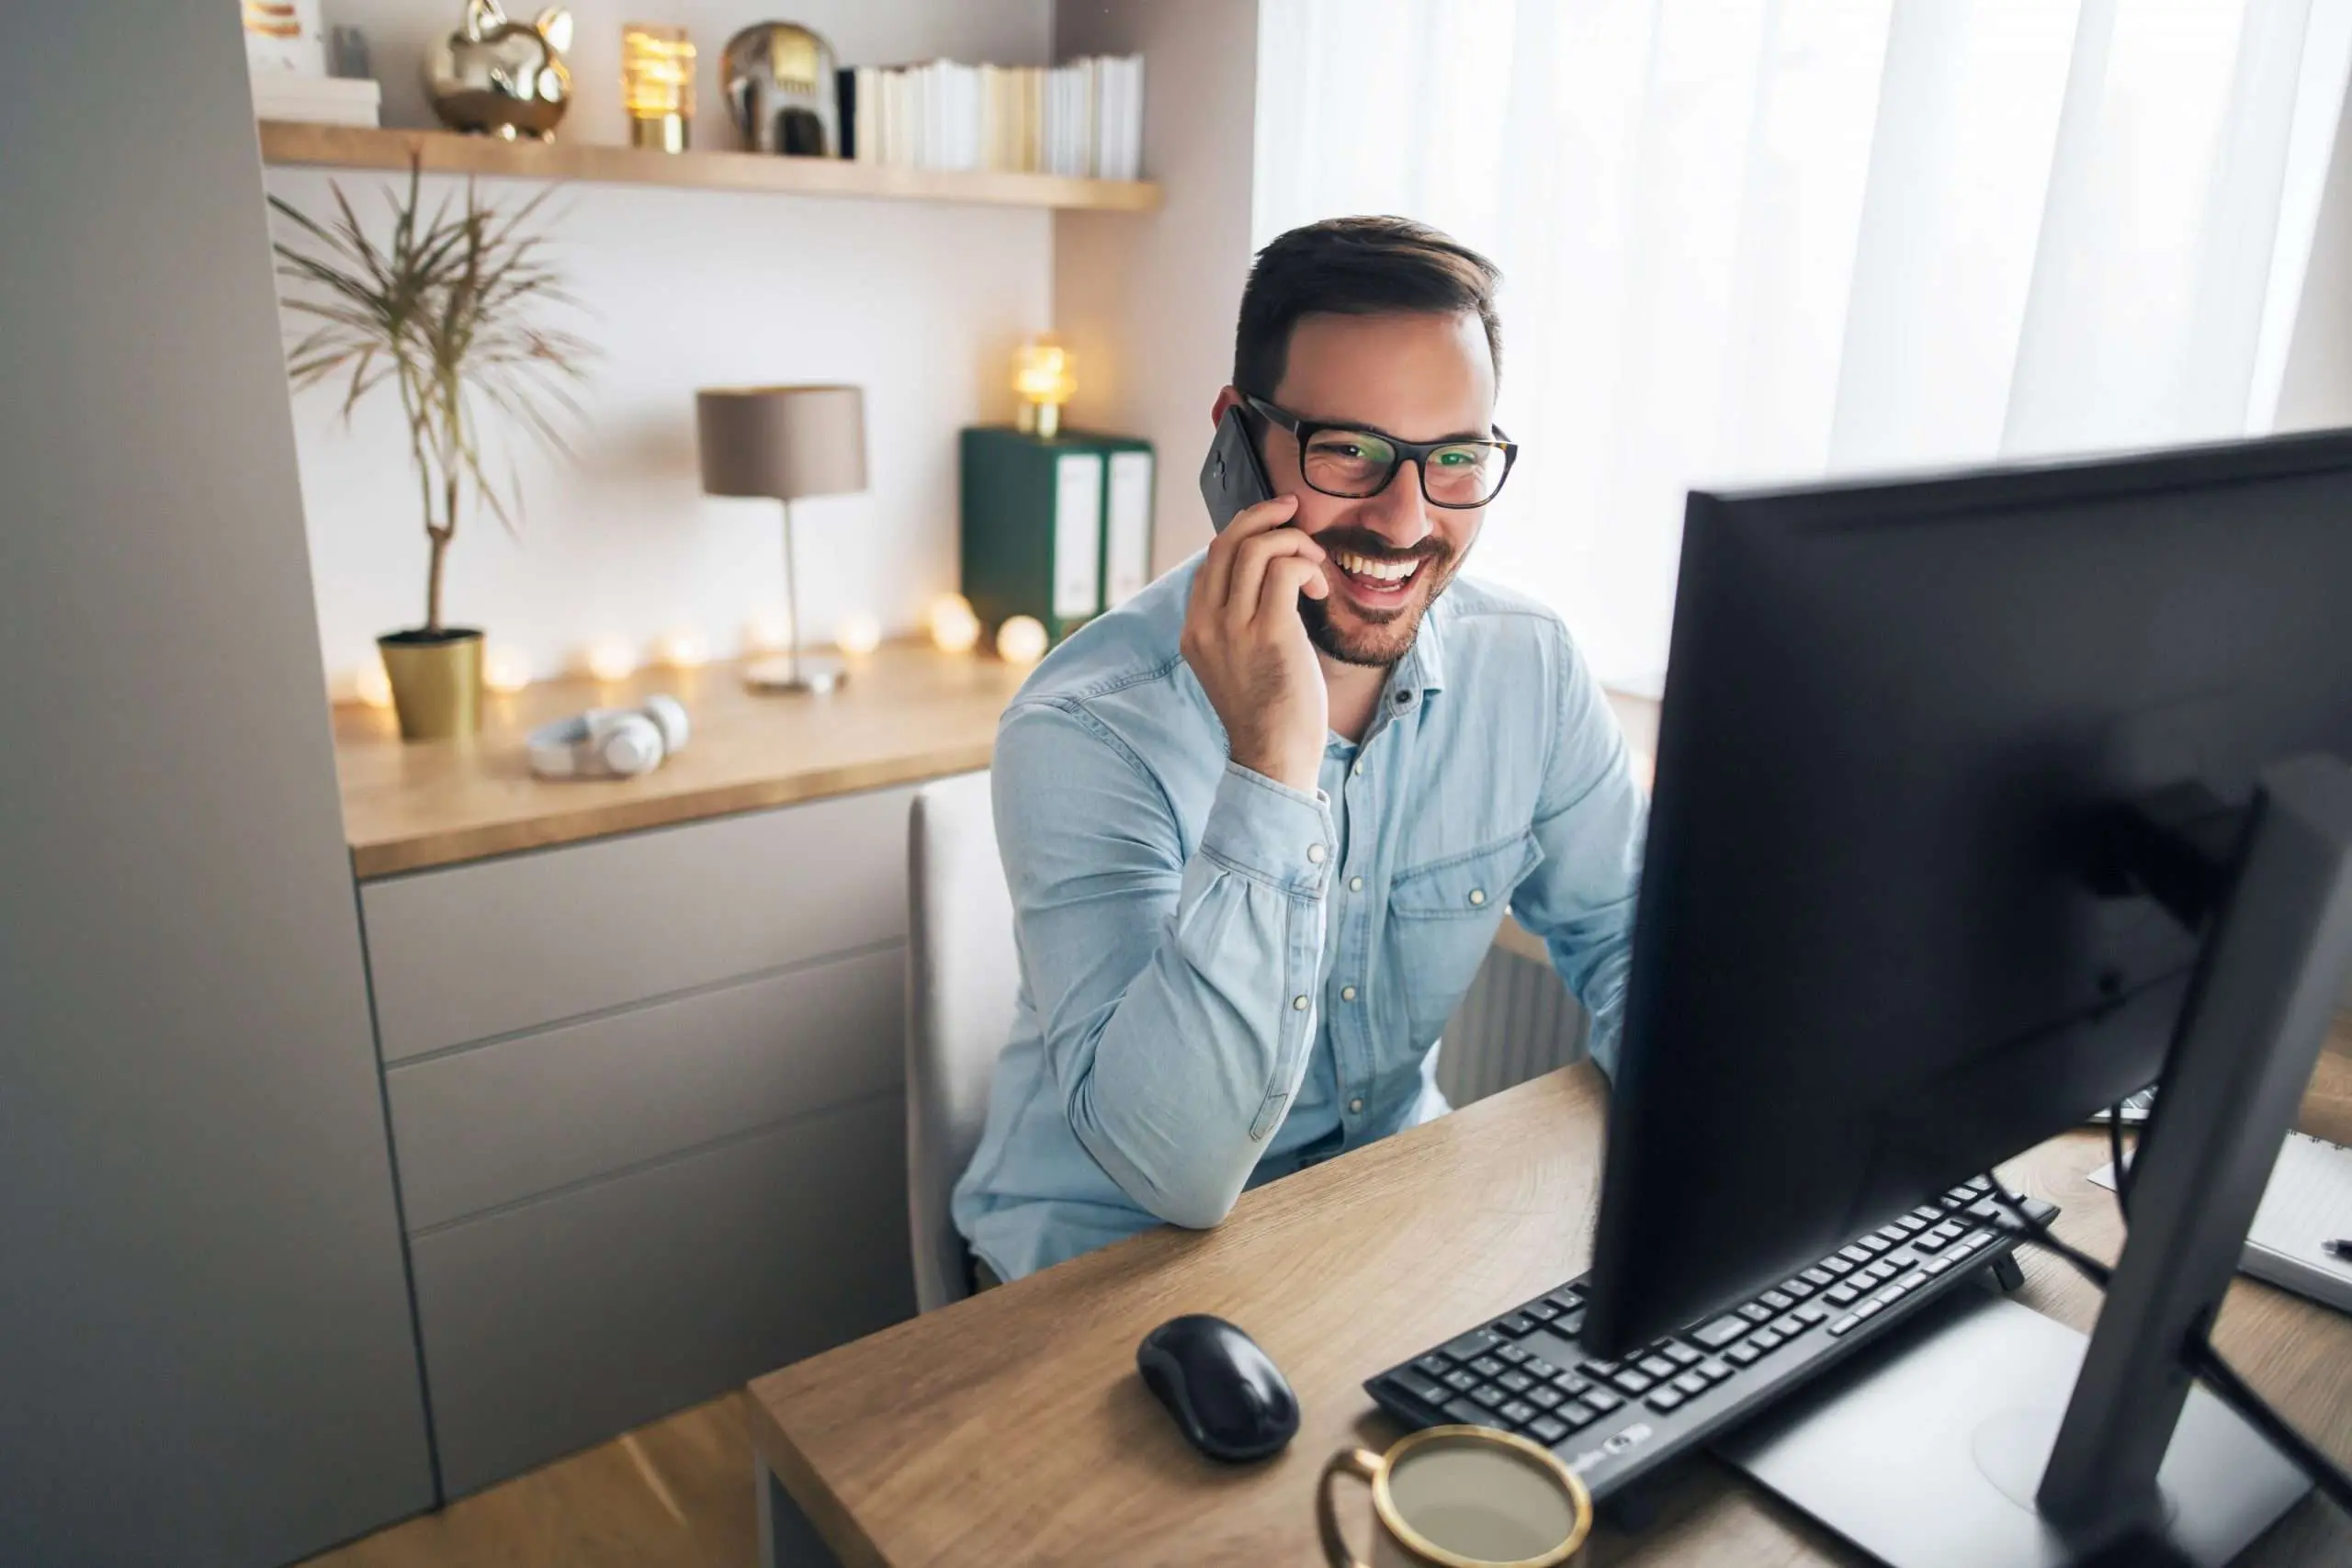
1870	959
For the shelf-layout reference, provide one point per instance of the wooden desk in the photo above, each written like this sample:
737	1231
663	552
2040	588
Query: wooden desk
1012	1427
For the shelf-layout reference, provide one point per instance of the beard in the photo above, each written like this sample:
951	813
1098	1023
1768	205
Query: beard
1375	639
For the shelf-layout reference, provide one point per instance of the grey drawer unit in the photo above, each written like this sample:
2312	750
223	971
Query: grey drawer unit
560	1323
532	939
522	1116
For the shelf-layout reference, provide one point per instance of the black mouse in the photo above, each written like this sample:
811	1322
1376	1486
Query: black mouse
1228	1398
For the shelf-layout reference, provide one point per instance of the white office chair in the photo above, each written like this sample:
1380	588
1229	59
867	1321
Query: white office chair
962	975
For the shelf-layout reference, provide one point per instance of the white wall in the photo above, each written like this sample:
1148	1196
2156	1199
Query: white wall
920	303
2315	392
1147	303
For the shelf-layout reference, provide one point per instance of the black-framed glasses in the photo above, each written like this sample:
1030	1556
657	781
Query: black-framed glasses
1355	464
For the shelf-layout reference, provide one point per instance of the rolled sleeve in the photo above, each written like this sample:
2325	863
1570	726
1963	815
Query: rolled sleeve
1267	830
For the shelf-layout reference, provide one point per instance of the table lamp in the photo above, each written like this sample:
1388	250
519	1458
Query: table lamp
785	442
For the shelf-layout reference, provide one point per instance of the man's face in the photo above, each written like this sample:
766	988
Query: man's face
1417	378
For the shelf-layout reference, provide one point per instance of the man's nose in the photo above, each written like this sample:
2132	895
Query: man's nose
1396	513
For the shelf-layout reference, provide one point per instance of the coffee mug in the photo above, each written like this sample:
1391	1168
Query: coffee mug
1460	1497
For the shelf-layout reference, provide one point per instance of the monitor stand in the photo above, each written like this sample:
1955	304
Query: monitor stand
1926	1450
2002	1438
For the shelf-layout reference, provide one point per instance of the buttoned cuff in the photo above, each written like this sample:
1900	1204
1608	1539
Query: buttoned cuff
1270	832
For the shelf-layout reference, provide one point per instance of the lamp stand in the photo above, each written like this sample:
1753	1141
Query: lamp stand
788	673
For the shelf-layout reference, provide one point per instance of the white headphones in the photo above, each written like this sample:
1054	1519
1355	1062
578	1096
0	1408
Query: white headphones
610	743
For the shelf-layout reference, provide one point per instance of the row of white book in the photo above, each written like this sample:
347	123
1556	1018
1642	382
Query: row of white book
1083	119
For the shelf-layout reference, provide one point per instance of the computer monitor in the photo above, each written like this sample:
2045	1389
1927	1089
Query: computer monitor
1924	753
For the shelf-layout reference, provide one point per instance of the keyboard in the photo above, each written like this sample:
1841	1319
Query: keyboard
1614	1421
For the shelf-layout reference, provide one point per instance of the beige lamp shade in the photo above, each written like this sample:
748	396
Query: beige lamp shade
782	442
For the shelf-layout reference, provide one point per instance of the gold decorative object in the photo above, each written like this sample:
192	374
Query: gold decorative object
501	78
1044	376
782	90
657	84
436	682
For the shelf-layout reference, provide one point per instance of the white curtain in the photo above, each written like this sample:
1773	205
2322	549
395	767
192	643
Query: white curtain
1772	239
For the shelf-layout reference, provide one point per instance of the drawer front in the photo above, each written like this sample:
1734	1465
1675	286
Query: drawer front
561	1323
525	1115
509	944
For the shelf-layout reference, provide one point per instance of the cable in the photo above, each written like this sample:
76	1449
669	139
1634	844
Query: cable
2202	1359
2122	1171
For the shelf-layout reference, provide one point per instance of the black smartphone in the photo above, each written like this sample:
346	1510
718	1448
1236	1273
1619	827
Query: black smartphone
1231	477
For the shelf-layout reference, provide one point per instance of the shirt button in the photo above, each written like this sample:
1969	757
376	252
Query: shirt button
1477	895
1314	853
1355	1106
1298	1004
1357	770
1347	993
1355	884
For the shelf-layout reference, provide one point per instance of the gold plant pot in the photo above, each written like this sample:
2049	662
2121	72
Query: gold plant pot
436	682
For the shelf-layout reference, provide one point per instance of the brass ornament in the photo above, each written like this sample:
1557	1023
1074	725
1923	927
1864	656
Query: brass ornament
782	90
501	78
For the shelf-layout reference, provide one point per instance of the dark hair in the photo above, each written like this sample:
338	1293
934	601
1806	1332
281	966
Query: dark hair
1355	267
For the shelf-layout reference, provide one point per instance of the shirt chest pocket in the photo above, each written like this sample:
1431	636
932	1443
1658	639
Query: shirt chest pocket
1442	917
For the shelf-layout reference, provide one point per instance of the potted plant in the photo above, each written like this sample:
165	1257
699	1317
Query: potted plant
442	312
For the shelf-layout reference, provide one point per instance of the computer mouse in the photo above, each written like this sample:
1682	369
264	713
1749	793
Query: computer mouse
1227	1396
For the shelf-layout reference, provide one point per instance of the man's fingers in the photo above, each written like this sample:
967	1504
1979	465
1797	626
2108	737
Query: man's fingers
1217	571
1256	557
1286	579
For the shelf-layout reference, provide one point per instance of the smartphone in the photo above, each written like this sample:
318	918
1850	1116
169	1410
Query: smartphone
1231	477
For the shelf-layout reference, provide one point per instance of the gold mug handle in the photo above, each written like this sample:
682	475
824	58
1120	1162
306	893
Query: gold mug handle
1351	1461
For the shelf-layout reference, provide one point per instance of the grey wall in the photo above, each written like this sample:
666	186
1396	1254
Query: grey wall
205	1347
1147	302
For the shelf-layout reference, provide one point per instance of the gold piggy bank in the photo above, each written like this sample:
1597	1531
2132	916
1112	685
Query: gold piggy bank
499	77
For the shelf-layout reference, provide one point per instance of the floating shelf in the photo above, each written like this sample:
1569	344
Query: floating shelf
359	147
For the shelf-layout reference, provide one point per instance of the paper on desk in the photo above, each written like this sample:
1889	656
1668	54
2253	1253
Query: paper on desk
2307	1204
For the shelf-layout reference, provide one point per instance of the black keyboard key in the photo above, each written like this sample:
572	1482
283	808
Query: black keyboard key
1928	1213
1720	1332
1819	1276
1711	1370
1434	1366
1880	1274
1460	1380
1776	1301
1548	1430
1537	1367
1812	1313
1657	1367
1567	1297
1765	1339
1874	1244
1421	1388
1512	1355
1855	1254
1846	1325
1666	1399
1461	1413
1487	1367
1568	1324
1516	1382
1541	1312
1912	1281
1633	1383
1518	1412
1788	1325
1870	1309
1471	1346
1798	1289
1912	1225
1935	1266
1931	1242
1572	1385
1894	1233
1574	1415
1842	1295
1692	1384
1488	1396
1743	1355
1756	1312
1516	1324
1681	1355
1601	1399
1544	1396
1598	1369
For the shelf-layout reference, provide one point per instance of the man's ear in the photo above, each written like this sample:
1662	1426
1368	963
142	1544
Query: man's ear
1227	397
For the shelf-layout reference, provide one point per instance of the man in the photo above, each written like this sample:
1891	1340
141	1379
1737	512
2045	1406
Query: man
1261	823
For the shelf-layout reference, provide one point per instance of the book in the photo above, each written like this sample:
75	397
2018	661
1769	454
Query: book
1083	119
2307	1204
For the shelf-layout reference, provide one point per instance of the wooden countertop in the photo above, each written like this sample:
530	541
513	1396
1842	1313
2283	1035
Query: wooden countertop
907	713
1011	1427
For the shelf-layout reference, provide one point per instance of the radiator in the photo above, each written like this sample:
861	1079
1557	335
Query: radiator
1517	1021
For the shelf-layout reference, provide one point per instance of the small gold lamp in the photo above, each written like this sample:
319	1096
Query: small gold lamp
1044	375
657	84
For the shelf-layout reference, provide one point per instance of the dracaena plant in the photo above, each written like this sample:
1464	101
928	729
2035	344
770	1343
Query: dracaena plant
442	310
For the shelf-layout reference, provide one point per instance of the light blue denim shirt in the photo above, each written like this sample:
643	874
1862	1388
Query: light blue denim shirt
1224	979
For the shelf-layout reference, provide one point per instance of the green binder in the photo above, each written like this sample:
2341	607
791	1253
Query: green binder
1058	528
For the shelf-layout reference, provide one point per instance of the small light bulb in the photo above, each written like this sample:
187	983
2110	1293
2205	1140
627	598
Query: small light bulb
952	625
859	634
612	658
768	634
372	686
686	648
505	670
1021	641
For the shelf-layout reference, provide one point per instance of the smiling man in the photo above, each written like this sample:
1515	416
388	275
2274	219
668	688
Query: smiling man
1261	823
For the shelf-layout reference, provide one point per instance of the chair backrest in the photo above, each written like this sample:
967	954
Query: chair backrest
963	976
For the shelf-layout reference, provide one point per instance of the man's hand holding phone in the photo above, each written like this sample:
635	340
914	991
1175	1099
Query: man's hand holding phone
1249	649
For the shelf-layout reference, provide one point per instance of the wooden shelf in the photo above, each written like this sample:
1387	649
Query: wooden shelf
285	143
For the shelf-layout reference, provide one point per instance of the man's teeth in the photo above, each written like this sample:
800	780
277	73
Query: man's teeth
1384	570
